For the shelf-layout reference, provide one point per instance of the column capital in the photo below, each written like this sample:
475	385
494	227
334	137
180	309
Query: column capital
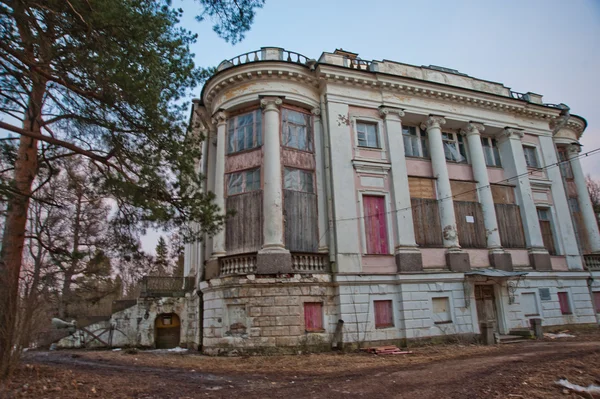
433	121
271	103
573	149
316	111
386	112
219	118
511	133
473	128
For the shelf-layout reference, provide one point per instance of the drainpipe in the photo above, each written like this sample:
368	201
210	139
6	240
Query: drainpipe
328	190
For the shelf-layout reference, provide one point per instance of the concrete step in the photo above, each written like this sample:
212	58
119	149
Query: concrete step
510	339
522	332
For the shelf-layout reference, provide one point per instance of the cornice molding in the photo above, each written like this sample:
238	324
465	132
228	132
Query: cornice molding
371	167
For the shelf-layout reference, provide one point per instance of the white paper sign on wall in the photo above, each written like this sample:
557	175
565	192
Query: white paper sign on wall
470	219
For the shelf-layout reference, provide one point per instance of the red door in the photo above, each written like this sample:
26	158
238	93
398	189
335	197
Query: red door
375	225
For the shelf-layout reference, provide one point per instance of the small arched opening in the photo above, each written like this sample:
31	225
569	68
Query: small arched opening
168	331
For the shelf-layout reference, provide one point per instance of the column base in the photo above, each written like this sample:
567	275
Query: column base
540	260
212	269
409	260
273	261
458	261
501	260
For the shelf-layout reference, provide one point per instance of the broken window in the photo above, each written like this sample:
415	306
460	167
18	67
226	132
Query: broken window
243	182
296	129
415	142
367	135
298	180
441	310
244	131
454	147
490	151
531	158
384	315
313	316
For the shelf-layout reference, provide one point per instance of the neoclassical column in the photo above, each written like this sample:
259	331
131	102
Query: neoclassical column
456	259
498	258
320	172
408	255
513	159
273	257
220	119
585	204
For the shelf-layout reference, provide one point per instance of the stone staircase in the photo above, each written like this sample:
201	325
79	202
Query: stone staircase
515	336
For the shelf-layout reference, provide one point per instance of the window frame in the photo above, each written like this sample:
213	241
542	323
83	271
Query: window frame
310	131
257	135
536	156
421	139
565	167
492	144
388	220
459	141
375	125
387	302
321	327
565	295
244	174
535	301
450	312
301	172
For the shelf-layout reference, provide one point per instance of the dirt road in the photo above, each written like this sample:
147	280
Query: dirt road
526	370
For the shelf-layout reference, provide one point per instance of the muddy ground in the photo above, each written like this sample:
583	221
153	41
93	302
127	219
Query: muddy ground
523	370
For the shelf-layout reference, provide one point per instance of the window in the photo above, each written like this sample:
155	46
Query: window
415	142
296	130
367	135
384	315
529	304
565	164
597	301
244	131
375	225
313	316
531	158
454	147
298	180
441	310
243	182
490	151
563	300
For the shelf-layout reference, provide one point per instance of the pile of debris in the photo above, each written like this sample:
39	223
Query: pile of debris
386	350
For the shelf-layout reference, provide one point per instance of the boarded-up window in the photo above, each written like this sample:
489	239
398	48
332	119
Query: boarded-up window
426	220
469	223
563	300
579	225
384	316
546	228
565	164
441	310
296	129
597	301
243	231
313	316
420	187
376	230
503	194
529	304
510	226
301	221
464	191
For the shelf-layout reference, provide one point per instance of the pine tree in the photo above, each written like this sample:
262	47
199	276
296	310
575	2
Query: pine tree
161	262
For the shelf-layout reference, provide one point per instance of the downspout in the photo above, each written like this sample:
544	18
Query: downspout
328	189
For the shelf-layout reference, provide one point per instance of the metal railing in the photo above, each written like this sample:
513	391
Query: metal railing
153	286
592	262
356	63
518	96
264	54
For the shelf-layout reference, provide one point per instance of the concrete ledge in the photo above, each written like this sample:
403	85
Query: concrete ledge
212	270
458	261
501	261
409	262
273	262
540	261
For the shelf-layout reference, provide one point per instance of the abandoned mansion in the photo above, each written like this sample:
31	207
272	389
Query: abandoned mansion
378	201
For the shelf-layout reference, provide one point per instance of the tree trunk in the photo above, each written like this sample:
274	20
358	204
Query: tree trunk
14	230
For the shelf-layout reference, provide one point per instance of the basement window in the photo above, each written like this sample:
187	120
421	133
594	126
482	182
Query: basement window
384	315
441	310
313	316
563	300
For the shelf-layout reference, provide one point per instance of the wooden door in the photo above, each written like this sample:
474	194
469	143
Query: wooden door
168	331
486	304
376	232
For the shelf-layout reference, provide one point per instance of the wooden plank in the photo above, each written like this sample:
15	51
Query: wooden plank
547	236
470	235
464	191
243	231
426	219
301	221
510	226
421	187
503	194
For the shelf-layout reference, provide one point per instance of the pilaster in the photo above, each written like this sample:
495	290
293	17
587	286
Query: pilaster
220	120
320	172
